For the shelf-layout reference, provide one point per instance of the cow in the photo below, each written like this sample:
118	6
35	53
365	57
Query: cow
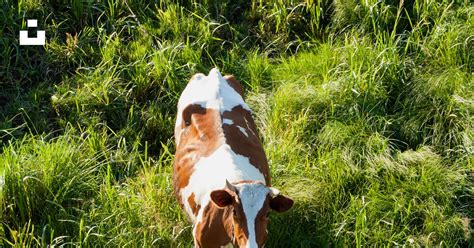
220	175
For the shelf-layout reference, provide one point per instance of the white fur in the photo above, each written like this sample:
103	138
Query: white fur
252	197
243	130
227	121
211	92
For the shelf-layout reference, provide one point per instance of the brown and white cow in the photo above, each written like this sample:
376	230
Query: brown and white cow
221	176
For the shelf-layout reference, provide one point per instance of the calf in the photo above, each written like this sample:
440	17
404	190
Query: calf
220	175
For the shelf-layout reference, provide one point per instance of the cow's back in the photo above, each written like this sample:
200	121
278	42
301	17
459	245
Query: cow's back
216	139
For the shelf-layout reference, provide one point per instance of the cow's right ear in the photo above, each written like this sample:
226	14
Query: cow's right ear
222	198
281	203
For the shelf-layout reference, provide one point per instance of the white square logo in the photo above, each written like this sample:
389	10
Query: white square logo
40	38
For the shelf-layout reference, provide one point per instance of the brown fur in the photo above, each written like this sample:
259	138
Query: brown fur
241	144
215	230
192	203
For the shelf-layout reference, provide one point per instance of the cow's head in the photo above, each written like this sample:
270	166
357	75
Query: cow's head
250	202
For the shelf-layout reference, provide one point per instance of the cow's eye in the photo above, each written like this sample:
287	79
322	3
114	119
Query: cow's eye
234	212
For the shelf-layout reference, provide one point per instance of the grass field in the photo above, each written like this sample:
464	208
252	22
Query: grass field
365	110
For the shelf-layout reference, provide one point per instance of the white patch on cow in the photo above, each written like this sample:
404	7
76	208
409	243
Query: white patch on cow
252	196
212	92
210	173
227	121
243	130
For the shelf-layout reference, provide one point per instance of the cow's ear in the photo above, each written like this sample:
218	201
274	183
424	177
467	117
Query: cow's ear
222	198
281	203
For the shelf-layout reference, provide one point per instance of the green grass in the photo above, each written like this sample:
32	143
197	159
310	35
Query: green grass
364	109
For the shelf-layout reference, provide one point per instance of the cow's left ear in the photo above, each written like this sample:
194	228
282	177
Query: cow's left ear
222	198
281	203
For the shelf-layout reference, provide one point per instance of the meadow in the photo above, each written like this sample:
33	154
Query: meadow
364	108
